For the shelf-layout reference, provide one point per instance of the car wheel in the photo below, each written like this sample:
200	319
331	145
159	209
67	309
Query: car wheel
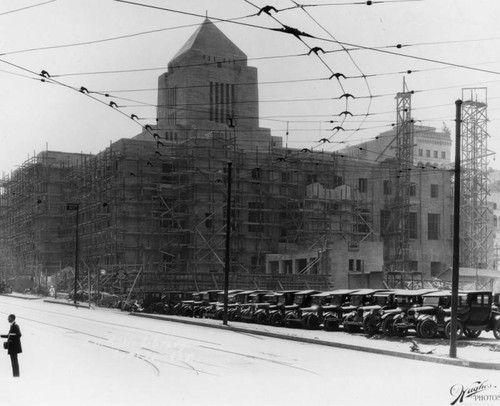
472	333
290	320
496	329
387	326
312	322
427	328
460	329
331	325
260	318
417	329
349	327
399	331
275	320
369	327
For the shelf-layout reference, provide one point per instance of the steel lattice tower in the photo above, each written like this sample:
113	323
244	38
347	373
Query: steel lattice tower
400	261
474	179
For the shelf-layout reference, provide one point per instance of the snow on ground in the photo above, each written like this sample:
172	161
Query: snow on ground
105	357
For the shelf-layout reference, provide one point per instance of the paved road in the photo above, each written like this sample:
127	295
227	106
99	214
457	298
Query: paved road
81	356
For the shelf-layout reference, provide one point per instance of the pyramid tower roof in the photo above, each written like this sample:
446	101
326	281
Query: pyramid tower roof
210	40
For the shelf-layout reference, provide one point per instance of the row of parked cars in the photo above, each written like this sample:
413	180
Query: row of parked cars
425	312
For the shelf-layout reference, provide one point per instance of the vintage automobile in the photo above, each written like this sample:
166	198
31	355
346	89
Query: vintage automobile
372	315
333	314
244	307
261	308
422	318
272	310
150	301
208	299
256	309
360	302
312	316
293	312
475	313
169	301
186	307
215	310
276	315
234	308
161	302
496	301
404	300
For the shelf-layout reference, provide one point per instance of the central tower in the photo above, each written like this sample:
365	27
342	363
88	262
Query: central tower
210	89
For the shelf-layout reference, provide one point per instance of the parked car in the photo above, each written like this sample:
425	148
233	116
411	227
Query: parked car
312	316
372	315
186	307
150	301
422	319
293	312
215	310
283	298
256	310
333	314
475	313
272	310
208	299
496	301
171	300
404	300
241	308
360	302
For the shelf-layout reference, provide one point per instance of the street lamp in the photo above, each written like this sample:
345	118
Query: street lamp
75	207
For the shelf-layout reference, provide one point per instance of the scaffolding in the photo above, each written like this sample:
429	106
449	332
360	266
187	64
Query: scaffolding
33	231
398	264
267	214
474	212
154	219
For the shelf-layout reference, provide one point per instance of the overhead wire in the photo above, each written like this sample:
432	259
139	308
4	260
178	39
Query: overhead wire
354	3
60	83
26	8
304	34
358	97
299	35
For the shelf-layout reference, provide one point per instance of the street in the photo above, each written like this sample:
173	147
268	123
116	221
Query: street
77	356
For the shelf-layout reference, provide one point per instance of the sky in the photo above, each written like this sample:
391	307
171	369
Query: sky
120	48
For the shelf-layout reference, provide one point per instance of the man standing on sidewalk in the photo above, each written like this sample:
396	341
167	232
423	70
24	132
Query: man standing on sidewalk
13	344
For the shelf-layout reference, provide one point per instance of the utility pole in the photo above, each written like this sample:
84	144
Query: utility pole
228	243
456	236
75	207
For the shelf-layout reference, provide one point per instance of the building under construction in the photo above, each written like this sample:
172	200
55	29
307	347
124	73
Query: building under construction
149	213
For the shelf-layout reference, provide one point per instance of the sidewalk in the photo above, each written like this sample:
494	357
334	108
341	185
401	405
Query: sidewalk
481	353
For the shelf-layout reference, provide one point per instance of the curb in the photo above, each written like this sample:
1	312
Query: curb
79	305
353	347
20	296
